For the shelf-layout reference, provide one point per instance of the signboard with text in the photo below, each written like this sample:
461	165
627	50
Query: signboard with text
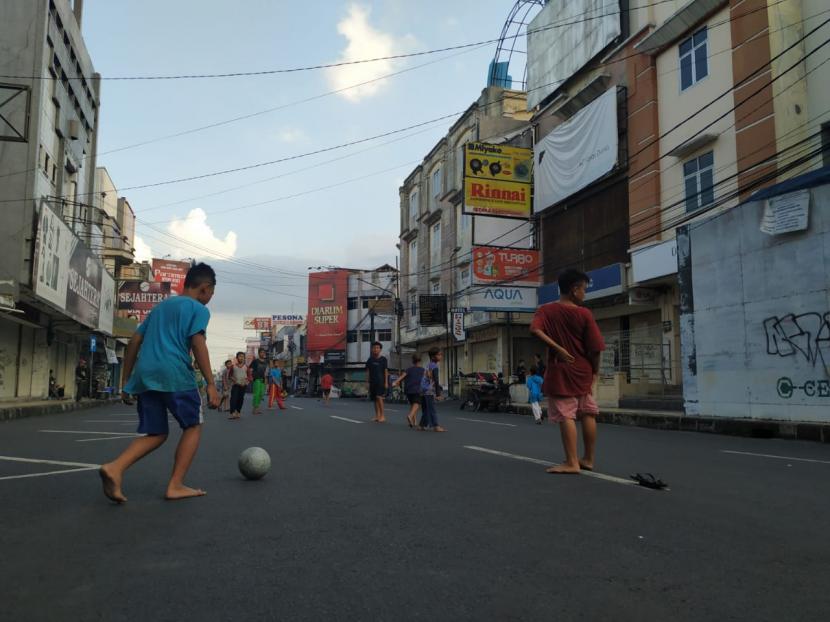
327	315
507	266
432	310
173	272
497	180
287	319
137	298
498	298
256	323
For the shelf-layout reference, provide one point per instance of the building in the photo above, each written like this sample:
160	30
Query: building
56	293
437	240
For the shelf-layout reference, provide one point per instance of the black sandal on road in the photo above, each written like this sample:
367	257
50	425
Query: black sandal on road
649	481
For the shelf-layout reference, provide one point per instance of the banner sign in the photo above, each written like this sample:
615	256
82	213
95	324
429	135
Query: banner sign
505	266
327	315
256	323
577	152
497	180
520	299
458	326
432	310
137	298
287	319
173	272
106	316
506	232
67	274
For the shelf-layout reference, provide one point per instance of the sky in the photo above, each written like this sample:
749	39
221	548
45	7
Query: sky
263	228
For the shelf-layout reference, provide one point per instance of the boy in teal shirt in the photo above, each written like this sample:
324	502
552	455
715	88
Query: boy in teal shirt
163	379
534	388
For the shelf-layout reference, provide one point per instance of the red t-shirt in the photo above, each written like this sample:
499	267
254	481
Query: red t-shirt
575	329
326	381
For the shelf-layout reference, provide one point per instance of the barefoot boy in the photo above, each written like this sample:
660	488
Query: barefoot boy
377	369
164	380
575	344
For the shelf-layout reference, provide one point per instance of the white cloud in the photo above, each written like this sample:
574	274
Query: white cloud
364	41
205	244
143	252
291	135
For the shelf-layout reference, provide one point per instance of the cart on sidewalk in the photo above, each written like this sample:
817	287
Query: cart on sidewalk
484	391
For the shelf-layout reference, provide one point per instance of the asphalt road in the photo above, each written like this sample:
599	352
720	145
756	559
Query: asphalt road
360	521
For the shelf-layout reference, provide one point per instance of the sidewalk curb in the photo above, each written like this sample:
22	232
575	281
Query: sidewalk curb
754	428
11	412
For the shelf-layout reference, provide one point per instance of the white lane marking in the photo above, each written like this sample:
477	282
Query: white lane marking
107	421
48	473
82	432
345	419
749	453
594	474
107	438
509	425
393	410
58	462
296	407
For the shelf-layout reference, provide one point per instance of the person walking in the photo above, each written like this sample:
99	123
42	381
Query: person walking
260	370
240	377
326	383
275	386
540	365
227	382
377	369
412	379
431	392
534	388
575	343
81	380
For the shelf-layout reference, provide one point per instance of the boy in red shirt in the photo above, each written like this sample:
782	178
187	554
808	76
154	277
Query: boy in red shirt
326	382
575	343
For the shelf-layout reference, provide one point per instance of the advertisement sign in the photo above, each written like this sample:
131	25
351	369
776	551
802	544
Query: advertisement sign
522	299
106	316
497	180
506	266
432	310
654	261
173	272
554	54
576	153
327	296
606	281
458	326
137	298
256	323
287	319
505	232
65	272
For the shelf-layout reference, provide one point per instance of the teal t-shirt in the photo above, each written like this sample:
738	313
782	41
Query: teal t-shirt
276	375
534	385
164	358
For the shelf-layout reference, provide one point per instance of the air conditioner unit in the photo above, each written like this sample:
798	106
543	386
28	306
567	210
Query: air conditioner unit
74	129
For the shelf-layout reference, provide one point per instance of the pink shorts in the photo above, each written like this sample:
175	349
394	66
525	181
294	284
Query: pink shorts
562	408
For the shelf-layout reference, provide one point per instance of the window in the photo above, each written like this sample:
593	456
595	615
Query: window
694	64
413	259
384	334
351	304
464	278
413	310
698	174
351	336
436	185
366	336
413	205
436	287
435	245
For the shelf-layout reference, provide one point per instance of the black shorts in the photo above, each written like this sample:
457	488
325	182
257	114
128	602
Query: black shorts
414	398
326	392
376	391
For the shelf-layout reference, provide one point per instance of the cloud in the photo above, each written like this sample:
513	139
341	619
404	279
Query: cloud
195	230
364	41
291	135
143	252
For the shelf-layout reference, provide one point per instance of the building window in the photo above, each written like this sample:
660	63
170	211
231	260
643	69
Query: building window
698	175
384	334
436	288
435	245
436	186
463	278
413	259
413	205
366	336
694	65
351	336
351	304
413	310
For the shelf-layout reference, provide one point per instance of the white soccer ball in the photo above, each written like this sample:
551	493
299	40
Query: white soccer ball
254	463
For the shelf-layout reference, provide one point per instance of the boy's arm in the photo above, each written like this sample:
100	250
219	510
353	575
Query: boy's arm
562	352
399	380
436	382
198	343
130	357
385	377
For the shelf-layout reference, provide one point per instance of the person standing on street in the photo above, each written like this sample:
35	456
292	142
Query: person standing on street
227	381
412	380
326	383
81	380
260	370
534	388
575	343
275	386
240	377
377	369
432	392
540	365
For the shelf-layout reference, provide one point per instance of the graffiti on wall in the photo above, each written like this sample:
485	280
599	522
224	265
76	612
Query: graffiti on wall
805	336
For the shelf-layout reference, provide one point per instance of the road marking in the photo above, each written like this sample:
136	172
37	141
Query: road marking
296	407
345	419
749	453
48	473
509	425
107	438
594	474
394	410
58	462
107	421
82	432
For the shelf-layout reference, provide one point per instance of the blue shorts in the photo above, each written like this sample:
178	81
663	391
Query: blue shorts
153	406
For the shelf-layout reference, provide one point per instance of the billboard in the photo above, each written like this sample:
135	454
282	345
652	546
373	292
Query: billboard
562	38
173	272
497	180
577	152
503	298
67	274
256	323
509	266
137	298
287	319
327	296
489	231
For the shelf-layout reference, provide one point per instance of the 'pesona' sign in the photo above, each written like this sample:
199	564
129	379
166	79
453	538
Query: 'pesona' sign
327	314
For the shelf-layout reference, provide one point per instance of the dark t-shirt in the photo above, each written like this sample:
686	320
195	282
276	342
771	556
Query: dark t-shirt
575	329
259	369
376	368
413	380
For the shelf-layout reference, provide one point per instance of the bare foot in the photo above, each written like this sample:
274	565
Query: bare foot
382	420
562	469
111	484
440	429
183	492
586	465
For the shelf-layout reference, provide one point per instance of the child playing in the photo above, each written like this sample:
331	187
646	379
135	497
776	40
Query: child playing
431	392
260	370
163	379
534	387
226	386
275	386
572	367
240	377
326	383
412	380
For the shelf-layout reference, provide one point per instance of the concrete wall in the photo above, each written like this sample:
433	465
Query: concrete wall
756	316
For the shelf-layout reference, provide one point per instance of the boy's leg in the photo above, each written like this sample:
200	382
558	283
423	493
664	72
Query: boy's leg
257	395
589	439
537	411
379	402
567	428
112	473
435	425
185	452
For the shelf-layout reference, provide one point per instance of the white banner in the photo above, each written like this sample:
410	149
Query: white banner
495	231
105	318
458	326
576	153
